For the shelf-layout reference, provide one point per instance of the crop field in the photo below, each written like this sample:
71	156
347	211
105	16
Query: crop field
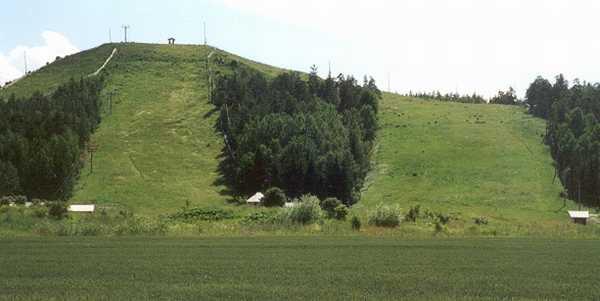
269	268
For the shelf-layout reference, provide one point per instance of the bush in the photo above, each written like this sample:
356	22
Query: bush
329	205
482	220
57	210
258	218
340	212
202	214
307	211
385	216
413	213
274	197
355	223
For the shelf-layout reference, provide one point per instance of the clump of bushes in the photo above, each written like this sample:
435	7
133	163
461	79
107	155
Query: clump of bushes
202	214
274	197
57	210
413	213
482	220
334	208
307	211
258	218
385	216
355	223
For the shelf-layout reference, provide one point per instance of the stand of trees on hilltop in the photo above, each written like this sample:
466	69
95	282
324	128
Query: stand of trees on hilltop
507	97
304	136
42	138
450	97
573	133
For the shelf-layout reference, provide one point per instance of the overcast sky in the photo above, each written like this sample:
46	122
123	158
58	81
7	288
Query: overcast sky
451	45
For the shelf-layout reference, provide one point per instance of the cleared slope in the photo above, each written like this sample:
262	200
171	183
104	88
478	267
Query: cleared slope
476	160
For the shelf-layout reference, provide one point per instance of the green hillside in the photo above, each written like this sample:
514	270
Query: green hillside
475	160
158	149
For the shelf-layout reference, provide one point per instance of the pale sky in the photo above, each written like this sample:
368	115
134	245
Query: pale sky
451	45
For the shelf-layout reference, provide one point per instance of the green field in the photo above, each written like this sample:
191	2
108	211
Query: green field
339	268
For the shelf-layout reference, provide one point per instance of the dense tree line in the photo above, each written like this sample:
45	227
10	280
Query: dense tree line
304	136
573	133
450	97
42	138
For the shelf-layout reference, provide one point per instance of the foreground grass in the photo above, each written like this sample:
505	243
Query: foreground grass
297	268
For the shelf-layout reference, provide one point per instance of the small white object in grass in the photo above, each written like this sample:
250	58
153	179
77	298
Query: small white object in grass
28	204
290	204
256	198
82	208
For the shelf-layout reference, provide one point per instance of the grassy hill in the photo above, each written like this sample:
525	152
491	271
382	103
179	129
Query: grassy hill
158	150
476	160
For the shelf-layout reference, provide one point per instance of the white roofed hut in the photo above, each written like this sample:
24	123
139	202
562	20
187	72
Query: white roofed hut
82	208
256	199
579	217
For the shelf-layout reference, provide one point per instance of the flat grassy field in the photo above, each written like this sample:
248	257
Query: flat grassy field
474	160
298	268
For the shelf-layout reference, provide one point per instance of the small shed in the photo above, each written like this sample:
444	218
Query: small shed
82	208
171	41
256	199
579	217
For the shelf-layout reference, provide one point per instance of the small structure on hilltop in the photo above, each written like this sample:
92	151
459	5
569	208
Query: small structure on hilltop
171	41
82	208
579	217
256	199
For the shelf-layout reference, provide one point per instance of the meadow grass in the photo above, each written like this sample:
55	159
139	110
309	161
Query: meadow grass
470	160
298	268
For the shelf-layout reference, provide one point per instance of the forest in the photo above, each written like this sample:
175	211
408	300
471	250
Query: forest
573	133
42	138
302	134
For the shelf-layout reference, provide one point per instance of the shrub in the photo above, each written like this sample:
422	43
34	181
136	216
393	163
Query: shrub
57	210
482	220
355	223
340	212
413	213
443	218
274	197
307	211
258	218
329	205
39	212
385	216
202	214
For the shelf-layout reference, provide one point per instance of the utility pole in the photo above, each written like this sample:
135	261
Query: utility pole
111	93
204	33
209	76
92	148
389	81
329	74
109	35
25	61
125	28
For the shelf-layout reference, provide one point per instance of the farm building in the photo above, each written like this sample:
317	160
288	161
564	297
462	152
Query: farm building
579	217
82	208
255	199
